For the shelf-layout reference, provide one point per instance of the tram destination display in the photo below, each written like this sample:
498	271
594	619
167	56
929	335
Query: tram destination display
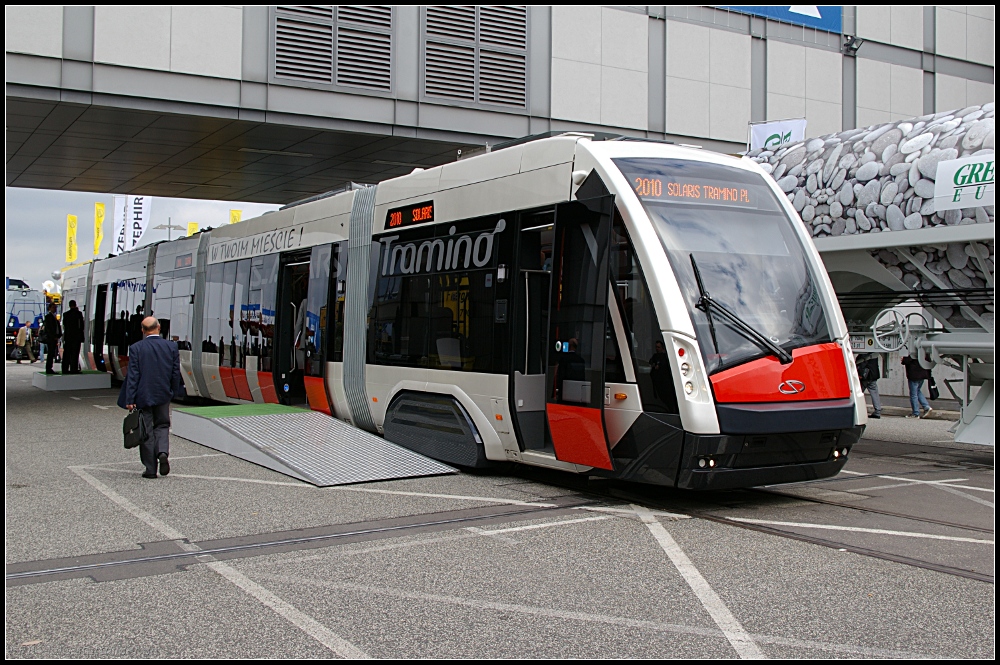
692	191
417	213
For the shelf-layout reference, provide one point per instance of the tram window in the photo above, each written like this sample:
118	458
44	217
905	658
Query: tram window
268	285
339	287
652	367
212	326
425	315
241	292
316	309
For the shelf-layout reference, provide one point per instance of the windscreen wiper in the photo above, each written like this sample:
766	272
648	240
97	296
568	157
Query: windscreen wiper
708	305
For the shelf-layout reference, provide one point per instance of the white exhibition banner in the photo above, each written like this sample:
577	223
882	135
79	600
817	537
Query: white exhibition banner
774	134
132	214
964	183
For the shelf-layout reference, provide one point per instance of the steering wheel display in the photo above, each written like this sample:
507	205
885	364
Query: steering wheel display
891	330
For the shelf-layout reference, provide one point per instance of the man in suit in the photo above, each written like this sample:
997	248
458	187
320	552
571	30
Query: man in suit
152	380
72	339
51	336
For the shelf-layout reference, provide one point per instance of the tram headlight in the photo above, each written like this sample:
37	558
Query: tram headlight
692	382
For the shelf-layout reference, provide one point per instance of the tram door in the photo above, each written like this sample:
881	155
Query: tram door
574	381
290	344
530	327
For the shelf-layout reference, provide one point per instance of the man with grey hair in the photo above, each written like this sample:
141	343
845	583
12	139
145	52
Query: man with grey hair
152	380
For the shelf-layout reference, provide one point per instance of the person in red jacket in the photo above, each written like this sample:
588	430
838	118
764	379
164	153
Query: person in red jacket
915	376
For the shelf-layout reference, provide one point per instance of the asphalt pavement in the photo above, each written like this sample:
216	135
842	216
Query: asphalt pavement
893	558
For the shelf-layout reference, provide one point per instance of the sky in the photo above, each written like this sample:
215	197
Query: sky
35	226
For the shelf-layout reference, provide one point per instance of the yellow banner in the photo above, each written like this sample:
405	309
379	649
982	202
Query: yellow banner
98	227
192	228
234	216
70	238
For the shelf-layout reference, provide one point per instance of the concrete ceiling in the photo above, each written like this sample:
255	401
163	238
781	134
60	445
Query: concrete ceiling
59	145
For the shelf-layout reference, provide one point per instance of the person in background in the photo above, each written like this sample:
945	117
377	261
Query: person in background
152	380
915	377
869	373
72	339
23	343
51	337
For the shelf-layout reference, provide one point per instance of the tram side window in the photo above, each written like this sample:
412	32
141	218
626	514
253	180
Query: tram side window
241	292
263	289
213	309
427	315
181	306
645	340
317	302
161	303
339	286
226	340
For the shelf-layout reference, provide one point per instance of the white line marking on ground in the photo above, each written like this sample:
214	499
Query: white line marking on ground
197	477
570	615
724	619
887	532
542	525
951	490
241	480
495	533
367	550
878	487
495	536
156	524
96	467
459	497
940	484
300	620
104	408
625	512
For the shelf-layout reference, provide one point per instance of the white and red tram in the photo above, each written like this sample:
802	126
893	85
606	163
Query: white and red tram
639	310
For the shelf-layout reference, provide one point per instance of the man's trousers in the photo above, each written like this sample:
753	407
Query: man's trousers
157	421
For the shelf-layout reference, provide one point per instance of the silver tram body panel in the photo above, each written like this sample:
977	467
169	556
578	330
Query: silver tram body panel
534	175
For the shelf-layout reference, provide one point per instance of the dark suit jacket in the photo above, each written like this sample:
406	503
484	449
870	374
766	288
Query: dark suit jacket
72	326
52	331
154	373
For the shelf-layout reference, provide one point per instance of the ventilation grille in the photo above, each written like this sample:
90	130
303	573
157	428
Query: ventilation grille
364	59
303	51
502	78
476	54
370	16
452	23
503	26
321	12
349	46
450	71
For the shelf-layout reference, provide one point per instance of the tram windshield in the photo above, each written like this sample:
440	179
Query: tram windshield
743	243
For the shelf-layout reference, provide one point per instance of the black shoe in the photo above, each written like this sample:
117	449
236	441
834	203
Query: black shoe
875	416
149	475
164	464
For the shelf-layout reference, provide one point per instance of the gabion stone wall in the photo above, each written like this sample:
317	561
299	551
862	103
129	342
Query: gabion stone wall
881	179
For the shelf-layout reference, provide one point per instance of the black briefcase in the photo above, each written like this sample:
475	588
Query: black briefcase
134	429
